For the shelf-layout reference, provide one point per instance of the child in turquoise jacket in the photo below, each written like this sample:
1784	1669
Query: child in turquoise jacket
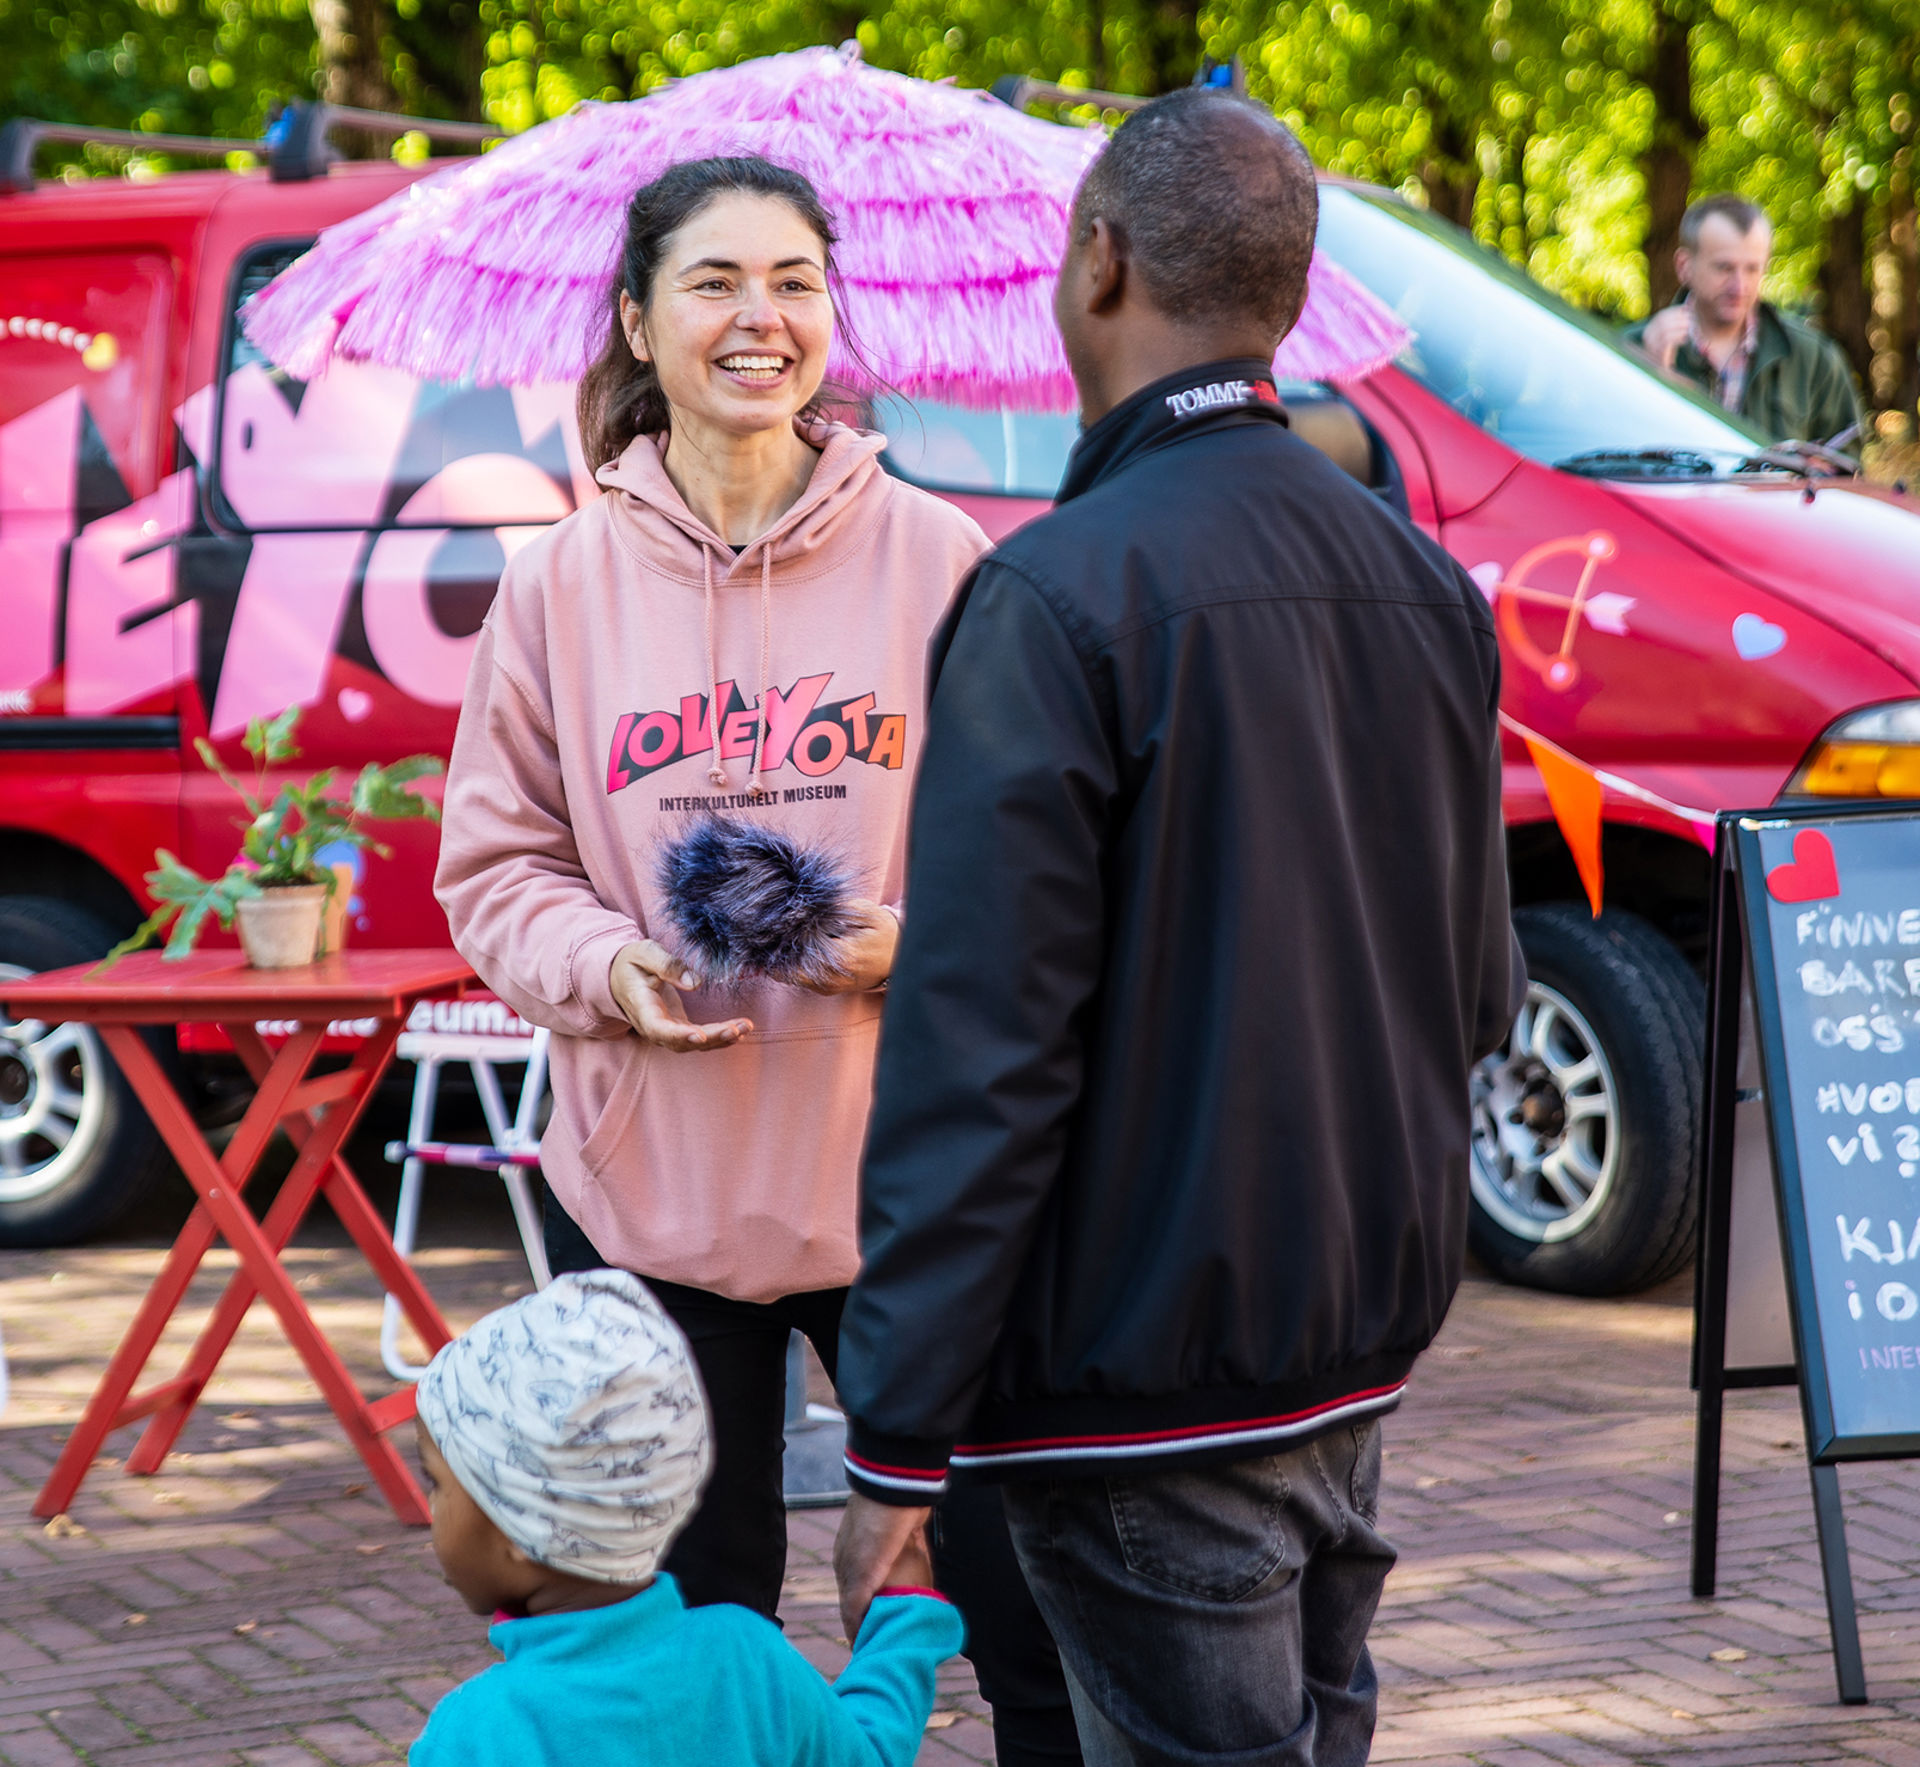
565	1440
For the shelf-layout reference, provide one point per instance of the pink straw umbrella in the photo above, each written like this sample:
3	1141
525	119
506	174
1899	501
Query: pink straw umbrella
951	205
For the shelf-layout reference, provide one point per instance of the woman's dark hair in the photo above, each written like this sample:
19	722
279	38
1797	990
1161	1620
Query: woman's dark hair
620	397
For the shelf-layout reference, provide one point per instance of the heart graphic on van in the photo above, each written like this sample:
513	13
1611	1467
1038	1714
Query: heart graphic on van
1754	637
1813	875
355	705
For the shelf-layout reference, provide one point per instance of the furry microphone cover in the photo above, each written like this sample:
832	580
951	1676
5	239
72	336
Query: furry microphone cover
751	901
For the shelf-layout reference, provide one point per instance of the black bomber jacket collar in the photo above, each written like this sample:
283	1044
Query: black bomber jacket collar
1237	390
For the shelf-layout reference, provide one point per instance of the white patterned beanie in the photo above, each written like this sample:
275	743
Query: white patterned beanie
574	1418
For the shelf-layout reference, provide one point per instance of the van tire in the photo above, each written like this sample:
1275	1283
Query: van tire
112	1151
1618	985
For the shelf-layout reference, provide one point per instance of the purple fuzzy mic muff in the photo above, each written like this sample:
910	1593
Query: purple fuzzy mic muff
748	900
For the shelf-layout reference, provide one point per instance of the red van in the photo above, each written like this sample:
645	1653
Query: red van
188	538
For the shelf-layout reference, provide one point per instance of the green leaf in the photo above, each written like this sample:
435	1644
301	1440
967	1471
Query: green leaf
186	930
380	792
141	936
413	767
170	881
272	740
280	743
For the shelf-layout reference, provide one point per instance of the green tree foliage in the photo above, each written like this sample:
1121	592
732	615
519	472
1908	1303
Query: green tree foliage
1568	134
198	67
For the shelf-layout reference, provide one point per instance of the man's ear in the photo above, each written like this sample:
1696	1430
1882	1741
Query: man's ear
1105	258
1683	266
633	321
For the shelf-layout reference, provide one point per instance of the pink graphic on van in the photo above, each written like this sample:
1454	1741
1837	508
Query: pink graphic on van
125	633
365	517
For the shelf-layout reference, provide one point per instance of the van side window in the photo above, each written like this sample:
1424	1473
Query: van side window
362	448
256	270
95	323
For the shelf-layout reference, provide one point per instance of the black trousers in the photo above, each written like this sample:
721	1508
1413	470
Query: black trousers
735	1548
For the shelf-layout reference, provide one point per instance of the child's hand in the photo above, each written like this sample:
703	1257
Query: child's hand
913	1569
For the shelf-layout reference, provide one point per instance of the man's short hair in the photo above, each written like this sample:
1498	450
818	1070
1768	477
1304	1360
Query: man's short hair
1742	214
1216	203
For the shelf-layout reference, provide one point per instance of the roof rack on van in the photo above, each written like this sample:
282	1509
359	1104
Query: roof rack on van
295	145
1021	90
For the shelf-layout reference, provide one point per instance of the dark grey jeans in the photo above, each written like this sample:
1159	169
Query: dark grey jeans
1218	1613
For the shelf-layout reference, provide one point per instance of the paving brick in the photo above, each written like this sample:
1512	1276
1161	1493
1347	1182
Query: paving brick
145	1705
345	1743
38	1747
91	1728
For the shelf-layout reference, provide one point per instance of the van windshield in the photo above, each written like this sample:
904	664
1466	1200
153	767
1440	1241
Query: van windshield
1551	382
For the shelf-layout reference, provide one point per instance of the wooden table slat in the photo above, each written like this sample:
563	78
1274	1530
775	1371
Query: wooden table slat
209	986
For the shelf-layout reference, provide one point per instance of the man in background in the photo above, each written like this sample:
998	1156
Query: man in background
1166	1183
1789	381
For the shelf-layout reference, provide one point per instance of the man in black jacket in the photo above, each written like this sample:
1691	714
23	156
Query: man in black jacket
1166	1185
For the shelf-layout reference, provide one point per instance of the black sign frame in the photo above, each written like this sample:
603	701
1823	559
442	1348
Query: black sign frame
1741	948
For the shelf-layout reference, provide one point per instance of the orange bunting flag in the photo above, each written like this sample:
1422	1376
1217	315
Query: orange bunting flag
1575	793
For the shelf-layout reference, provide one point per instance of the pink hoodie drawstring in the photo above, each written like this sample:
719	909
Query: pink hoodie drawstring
766	684
717	773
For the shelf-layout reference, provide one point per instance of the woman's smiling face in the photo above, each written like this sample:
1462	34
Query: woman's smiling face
740	319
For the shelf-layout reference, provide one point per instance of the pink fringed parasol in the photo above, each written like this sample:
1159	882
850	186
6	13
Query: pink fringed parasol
952	209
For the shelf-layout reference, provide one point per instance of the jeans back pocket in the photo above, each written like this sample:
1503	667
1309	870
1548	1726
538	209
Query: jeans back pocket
1216	1532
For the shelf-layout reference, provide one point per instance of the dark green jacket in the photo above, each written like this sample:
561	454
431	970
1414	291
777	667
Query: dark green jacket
1799	386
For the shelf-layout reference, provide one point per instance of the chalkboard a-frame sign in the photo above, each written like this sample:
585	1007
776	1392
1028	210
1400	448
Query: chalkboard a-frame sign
1828	900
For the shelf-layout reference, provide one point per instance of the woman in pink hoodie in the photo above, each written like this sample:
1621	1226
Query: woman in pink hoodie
739	624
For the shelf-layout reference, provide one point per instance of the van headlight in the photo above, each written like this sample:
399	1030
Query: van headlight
1872	753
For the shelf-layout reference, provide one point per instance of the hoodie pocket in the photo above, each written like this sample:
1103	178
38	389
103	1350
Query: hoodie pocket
614	1125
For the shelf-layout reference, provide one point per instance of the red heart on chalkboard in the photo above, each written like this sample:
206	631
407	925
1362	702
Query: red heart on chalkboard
1812	877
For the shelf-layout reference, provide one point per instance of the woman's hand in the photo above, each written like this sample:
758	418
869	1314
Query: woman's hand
646	981
864	958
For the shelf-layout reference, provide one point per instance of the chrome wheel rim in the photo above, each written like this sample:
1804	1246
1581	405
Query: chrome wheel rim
52	1101
1546	1123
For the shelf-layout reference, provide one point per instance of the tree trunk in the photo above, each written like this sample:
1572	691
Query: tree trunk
448	46
1904	235
1452	177
353	67
1667	165
1843	284
1173	44
1519	139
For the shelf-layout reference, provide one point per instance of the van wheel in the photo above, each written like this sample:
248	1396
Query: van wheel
1585	1122
75	1146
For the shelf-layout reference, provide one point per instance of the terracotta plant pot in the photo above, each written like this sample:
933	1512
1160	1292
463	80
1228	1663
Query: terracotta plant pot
280	927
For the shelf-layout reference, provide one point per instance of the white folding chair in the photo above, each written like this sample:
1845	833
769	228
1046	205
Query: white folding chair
515	1148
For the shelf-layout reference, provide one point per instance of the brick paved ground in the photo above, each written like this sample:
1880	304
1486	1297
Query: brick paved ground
257	1604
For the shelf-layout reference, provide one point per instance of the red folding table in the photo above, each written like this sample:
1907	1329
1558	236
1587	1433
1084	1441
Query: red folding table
318	1112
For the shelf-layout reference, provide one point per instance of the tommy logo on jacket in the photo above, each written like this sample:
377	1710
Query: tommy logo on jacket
1191	401
814	738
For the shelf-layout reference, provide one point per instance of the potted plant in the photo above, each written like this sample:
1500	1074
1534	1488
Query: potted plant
279	886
